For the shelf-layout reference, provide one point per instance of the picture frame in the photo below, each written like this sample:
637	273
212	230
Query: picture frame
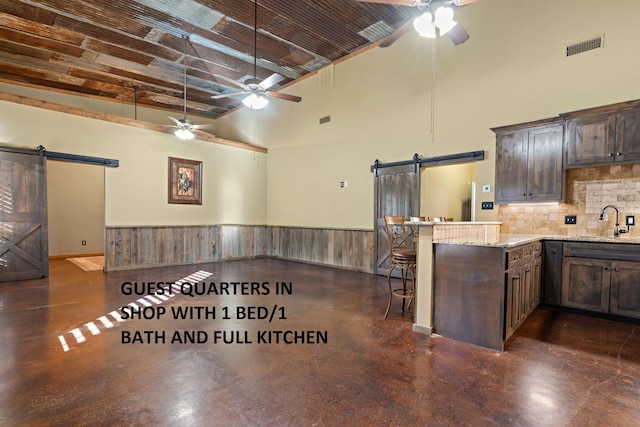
185	181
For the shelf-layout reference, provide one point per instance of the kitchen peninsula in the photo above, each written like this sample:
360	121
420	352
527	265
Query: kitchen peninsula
477	285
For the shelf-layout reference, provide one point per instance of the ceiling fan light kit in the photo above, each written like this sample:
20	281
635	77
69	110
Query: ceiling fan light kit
426	23
184	133
256	89
255	102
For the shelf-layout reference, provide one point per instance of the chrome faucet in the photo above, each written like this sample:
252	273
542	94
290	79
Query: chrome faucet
616	230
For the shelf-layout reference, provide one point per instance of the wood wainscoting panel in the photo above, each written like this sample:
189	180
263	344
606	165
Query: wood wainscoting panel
350	249
138	247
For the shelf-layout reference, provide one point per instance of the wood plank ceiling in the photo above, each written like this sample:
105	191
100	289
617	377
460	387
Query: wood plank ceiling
132	50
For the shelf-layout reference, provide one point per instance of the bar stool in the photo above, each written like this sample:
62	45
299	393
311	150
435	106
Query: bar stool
402	258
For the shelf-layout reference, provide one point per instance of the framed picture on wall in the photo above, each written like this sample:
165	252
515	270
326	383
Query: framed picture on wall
185	181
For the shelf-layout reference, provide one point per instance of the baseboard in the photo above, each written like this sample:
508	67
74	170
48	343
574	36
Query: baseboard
422	329
75	255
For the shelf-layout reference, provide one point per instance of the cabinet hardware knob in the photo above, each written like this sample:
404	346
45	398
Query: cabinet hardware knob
517	276
618	154
610	154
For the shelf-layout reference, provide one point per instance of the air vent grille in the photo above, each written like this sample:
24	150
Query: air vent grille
596	42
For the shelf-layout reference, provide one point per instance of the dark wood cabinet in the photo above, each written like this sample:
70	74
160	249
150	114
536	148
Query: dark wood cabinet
628	136
487	299
602	277
602	139
522	284
529	162
552	272
586	284
625	289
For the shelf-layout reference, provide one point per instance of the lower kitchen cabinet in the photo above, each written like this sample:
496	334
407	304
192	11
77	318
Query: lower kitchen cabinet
482	294
522	282
586	284
624	299
602	278
552	272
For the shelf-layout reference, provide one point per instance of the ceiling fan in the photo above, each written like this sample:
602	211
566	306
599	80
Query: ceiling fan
256	89
437	18
184	128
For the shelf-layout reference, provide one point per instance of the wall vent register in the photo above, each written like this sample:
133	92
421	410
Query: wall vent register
595	42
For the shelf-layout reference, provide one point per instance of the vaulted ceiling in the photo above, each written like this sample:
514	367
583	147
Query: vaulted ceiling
132	51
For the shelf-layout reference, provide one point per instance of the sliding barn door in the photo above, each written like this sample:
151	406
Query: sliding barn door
397	192
23	217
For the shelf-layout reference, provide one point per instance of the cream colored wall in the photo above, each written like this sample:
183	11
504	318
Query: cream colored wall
75	205
512	70
444	188
234	180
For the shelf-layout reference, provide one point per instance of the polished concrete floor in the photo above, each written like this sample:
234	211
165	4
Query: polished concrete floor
558	369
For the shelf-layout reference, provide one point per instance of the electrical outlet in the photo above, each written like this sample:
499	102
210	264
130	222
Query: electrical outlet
570	219
487	205
630	220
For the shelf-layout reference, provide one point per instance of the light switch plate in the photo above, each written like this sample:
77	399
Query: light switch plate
486	188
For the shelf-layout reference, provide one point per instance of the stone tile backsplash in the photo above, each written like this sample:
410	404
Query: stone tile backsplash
587	192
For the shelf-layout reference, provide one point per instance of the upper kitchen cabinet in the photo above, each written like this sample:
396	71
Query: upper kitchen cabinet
603	135
529	162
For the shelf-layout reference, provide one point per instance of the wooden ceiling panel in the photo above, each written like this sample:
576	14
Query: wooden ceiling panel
105	48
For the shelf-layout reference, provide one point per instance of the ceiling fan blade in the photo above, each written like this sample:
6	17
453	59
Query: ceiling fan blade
270	81
197	127
398	2
231	81
176	121
230	94
395	36
458	35
464	2
284	96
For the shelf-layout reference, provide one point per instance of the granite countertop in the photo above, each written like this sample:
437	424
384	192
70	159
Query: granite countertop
432	223
510	240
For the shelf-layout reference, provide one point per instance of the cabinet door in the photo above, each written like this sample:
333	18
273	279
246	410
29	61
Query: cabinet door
545	170
513	306
625	289
511	167
586	283
552	272
591	140
536	291
628	136
526	291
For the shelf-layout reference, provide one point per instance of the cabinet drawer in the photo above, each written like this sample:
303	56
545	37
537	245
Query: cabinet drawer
610	251
514	257
527	252
536	248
